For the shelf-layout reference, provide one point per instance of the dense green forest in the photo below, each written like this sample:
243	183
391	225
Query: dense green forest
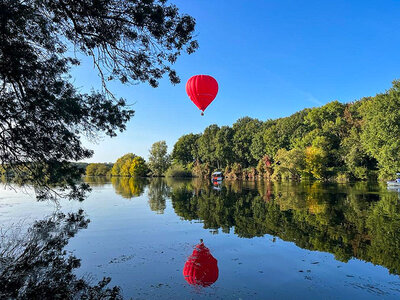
337	141
342	141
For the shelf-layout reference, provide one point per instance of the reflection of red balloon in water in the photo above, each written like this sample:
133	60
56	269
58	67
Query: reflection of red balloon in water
202	90
201	268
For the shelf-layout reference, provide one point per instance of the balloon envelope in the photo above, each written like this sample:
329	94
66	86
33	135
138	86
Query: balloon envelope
202	90
201	268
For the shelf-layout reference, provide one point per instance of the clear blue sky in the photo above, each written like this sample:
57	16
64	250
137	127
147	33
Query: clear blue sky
270	58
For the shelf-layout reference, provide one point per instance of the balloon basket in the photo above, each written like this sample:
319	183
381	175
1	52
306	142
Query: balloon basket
202	114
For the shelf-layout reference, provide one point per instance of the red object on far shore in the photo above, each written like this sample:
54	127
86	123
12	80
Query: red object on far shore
202	90
201	268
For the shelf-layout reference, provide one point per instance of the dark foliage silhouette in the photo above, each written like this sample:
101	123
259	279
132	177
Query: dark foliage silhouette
33	265
42	114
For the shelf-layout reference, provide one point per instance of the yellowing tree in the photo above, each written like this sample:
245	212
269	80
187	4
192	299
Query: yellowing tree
97	169
315	160
138	167
130	165
289	164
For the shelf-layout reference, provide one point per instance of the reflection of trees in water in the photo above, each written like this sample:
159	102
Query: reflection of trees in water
383	225
346	220
34	265
194	184
96	180
129	187
158	191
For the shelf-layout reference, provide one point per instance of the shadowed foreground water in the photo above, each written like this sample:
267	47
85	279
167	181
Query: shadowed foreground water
260	240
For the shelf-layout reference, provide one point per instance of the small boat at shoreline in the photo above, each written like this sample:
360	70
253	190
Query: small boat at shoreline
217	176
394	183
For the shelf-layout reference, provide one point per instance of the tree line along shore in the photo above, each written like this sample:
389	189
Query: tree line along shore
337	141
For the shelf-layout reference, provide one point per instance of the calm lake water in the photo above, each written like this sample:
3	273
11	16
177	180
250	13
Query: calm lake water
270	241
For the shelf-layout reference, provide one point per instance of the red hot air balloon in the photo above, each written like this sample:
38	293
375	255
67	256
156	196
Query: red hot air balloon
201	268
202	90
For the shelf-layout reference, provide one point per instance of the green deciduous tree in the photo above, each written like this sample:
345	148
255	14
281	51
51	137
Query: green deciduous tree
317	117
159	159
289	163
285	132
207	145
185	149
358	163
257	147
381	129
244	131
224	147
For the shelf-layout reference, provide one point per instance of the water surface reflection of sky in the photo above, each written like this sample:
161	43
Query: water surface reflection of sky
270	240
